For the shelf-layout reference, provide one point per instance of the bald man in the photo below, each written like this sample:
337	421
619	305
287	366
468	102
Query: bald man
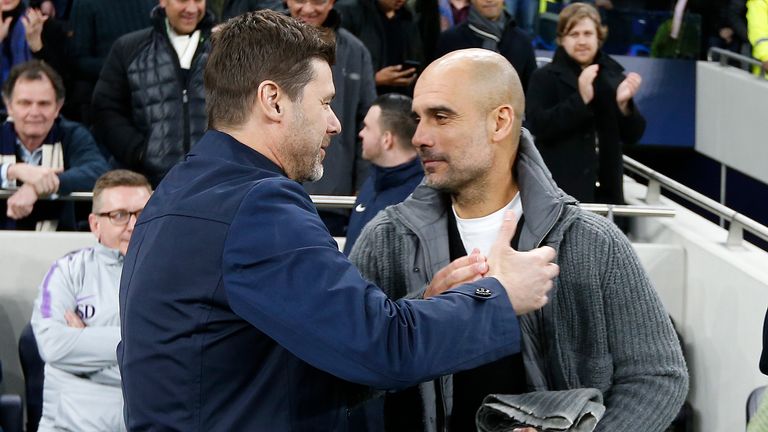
604	326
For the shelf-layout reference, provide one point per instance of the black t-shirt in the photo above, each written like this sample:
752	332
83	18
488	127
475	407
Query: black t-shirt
504	376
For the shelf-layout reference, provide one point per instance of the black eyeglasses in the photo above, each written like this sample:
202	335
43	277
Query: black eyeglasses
120	217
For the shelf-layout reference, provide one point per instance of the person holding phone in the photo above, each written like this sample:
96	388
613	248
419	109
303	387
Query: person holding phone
581	110
389	31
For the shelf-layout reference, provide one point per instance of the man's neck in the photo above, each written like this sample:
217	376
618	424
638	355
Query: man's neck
485	197
389	13
256	138
393	159
31	144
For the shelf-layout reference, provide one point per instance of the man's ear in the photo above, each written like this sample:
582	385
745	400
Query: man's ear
94	224
269	96
388	140
503	120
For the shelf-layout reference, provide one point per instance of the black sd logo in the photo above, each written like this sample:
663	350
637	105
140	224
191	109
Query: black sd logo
85	311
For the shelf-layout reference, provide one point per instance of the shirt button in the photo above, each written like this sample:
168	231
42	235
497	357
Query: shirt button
483	292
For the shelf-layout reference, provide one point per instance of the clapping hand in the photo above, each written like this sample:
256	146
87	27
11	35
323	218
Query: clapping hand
627	90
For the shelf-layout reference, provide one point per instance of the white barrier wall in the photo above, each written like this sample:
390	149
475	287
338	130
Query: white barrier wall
717	296
24	260
731	107
719	310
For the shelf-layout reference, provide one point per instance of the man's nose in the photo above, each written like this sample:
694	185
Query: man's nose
132	222
334	126
420	137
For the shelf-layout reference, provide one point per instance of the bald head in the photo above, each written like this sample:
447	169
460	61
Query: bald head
485	76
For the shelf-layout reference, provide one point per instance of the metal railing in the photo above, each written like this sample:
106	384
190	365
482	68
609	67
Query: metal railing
725	55
656	181
347	202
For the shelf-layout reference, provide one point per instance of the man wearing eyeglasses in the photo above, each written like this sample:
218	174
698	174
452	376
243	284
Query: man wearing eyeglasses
76	320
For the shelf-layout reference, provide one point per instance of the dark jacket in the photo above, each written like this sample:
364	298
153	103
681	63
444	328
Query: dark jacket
83	164
345	169
233	8
147	111
568	131
384	187
239	313
515	46
363	19
97	24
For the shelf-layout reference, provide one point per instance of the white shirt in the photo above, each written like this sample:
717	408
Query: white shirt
481	232
185	45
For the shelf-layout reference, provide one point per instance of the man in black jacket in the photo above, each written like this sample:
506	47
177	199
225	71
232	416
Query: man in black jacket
389	31
149	102
490	27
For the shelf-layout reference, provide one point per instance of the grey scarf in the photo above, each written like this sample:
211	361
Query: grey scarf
489	31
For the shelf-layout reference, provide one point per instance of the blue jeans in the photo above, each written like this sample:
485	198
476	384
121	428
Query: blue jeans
524	12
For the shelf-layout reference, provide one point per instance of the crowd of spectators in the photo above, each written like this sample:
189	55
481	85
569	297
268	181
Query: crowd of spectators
133	71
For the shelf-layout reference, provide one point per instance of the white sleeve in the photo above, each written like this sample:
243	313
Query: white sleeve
78	351
4	182
107	376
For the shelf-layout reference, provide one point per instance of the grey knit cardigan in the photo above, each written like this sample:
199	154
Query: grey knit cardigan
604	326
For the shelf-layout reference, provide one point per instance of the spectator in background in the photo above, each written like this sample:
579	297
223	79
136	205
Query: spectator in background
27	33
452	13
344	168
75	318
489	26
390	32
524	12
757	23
732	34
581	110
96	25
395	168
42	153
149	102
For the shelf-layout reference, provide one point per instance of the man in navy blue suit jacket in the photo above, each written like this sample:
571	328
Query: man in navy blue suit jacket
239	313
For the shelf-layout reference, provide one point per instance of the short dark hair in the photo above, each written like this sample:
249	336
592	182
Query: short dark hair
397	117
255	47
33	70
117	178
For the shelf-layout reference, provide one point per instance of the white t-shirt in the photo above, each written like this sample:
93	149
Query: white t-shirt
482	232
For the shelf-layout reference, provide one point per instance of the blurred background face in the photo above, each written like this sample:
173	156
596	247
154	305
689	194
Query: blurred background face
391	5
581	42
489	9
115	234
8	5
312	12
184	15
371	134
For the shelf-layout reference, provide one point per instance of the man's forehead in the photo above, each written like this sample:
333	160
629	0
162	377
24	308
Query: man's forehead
436	94
37	86
323	78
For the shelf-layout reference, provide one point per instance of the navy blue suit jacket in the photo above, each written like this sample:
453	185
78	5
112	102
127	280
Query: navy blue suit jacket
239	313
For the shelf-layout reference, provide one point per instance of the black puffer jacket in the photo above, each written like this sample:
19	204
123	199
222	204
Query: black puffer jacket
148	111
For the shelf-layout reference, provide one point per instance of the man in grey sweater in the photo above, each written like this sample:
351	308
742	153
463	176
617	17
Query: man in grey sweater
604	326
